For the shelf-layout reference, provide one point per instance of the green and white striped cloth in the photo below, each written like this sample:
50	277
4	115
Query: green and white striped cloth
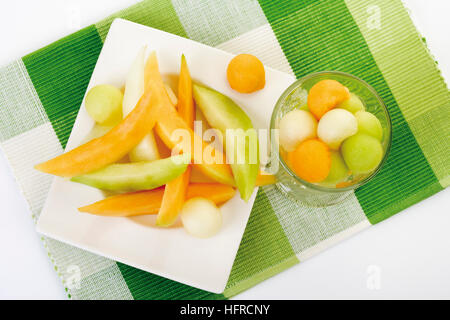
374	40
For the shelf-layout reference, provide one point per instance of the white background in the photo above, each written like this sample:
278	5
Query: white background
410	251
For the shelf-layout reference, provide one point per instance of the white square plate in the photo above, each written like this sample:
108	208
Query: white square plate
171	253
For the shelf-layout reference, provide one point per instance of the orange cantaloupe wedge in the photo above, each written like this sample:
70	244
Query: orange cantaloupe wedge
173	199
149	201
185	98
111	147
168	121
197	176
175	191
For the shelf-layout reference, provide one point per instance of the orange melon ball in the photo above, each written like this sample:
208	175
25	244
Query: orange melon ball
246	73
325	95
311	161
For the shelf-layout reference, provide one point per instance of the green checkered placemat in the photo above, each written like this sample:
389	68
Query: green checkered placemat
374	40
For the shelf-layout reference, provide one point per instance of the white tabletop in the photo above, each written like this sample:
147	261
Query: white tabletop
406	256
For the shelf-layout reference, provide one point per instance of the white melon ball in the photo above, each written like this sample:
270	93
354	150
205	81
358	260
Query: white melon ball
201	217
335	126
295	127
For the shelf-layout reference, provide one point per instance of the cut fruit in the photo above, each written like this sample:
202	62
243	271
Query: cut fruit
172	97
335	126
311	161
362	153
134	82
199	117
338	171
173	199
197	176
225	115
168	121
149	201
245	73
201	218
295	127
97	131
185	99
216	192
152	73
164	151
104	104
127	204
353	105
109	148
175	191
209	133
171	80
136	176
153	77
368	123
146	150
325	95
171	121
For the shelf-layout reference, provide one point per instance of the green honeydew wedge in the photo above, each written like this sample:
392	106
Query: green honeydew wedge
224	114
136	176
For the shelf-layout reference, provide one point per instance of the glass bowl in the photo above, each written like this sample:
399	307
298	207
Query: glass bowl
295	96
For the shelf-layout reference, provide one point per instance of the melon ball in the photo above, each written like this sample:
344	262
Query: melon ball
246	74
354	104
368	123
311	160
335	126
325	95
338	171
104	104
362	153
201	217
295	127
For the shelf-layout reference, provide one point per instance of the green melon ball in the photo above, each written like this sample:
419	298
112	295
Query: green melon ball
368	123
354	104
338	171
362	153
104	104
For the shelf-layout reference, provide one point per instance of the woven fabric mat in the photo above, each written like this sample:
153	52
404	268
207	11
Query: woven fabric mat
374	40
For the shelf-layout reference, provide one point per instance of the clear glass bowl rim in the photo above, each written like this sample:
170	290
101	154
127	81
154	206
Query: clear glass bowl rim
295	85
